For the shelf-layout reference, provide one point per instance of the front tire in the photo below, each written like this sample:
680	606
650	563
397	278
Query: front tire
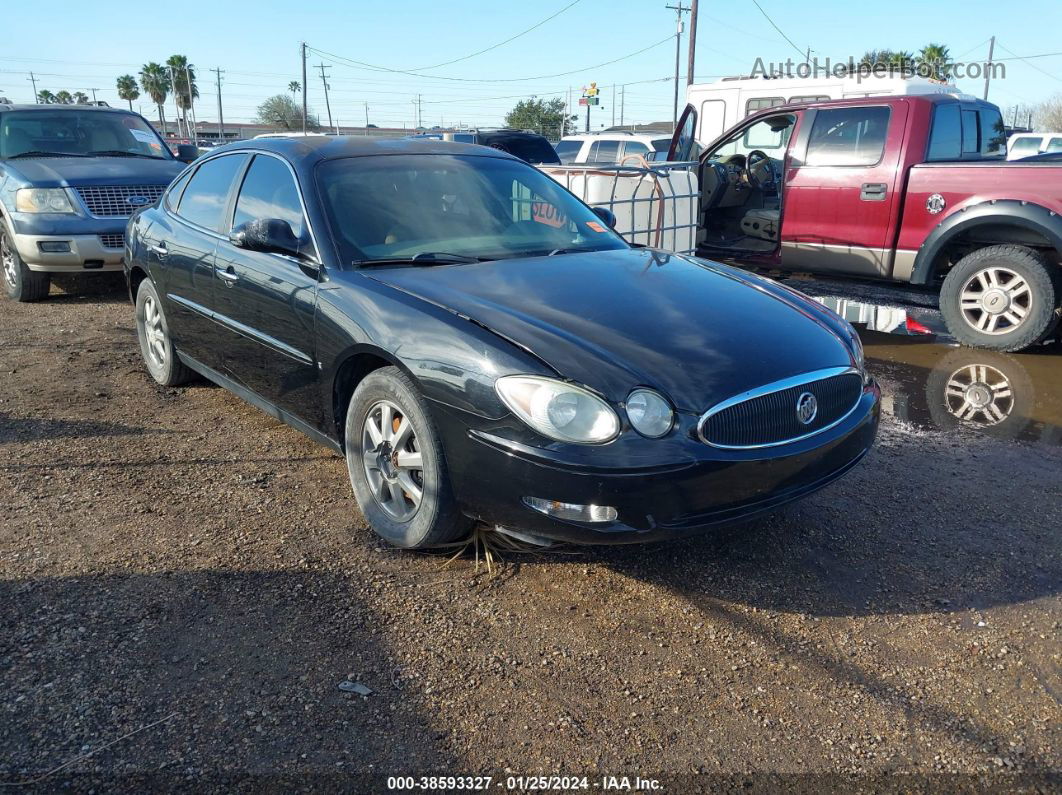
1004	298
156	347
20	283
396	464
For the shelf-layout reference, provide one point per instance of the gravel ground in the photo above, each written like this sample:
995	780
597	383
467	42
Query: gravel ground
184	583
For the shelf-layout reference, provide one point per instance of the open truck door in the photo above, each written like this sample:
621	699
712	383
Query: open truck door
683	143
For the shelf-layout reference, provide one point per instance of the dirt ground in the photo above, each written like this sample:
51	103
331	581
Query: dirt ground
184	583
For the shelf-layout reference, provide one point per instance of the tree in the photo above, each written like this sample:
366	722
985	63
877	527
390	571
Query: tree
892	60
64	98
184	86
294	87
81	98
1048	115
155	80
127	89
283	112
934	60
543	116
45	97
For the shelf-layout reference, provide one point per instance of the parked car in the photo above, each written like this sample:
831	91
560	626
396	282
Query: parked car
1021	145
481	346
528	146
70	177
610	147
902	188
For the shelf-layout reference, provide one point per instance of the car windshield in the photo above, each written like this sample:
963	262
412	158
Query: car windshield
78	133
400	206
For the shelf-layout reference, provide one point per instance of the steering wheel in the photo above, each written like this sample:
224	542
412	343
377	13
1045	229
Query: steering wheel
758	169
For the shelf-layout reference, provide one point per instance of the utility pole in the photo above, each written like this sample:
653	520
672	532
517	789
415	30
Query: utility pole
221	116
613	104
988	68
324	79
366	118
191	104
679	11
693	42
33	79
93	90
623	97
304	88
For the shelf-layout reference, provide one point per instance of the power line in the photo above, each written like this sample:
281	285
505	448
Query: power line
361	64
780	33
1034	66
500	43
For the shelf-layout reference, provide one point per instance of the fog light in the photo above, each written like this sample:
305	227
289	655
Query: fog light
54	246
572	511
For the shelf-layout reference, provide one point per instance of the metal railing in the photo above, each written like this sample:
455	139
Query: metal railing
655	204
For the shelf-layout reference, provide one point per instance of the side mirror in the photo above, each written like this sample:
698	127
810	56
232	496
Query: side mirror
186	153
605	215
268	235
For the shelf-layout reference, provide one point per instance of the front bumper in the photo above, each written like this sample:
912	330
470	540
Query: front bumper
700	489
86	253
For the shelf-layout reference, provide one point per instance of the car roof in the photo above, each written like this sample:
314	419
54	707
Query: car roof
879	99
333	147
93	108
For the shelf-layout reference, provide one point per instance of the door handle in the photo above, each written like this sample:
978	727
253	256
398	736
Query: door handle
158	250
873	191
228	275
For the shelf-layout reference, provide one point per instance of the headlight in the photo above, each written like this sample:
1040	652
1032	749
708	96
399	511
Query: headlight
559	410
42	200
649	413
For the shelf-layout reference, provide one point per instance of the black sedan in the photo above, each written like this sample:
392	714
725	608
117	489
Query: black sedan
480	345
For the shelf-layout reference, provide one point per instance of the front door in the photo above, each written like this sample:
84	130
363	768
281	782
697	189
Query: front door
841	190
265	302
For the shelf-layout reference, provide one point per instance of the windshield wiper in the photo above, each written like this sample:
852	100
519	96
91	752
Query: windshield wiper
122	153
423	258
571	251
42	153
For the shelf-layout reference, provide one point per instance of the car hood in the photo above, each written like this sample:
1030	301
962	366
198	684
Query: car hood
696	330
63	172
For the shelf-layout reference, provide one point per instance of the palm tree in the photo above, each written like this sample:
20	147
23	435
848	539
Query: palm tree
155	80
81	98
127	89
294	87
64	98
45	97
183	74
934	61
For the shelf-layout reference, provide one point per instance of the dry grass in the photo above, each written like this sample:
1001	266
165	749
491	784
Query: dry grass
491	548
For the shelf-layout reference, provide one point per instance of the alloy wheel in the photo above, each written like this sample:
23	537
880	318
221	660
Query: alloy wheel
394	466
995	300
7	257
979	394
154	334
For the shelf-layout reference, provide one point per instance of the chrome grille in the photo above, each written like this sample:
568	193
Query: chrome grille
111	201
768	416
112	241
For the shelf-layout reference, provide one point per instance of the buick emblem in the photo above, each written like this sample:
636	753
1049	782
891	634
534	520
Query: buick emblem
806	408
935	203
136	200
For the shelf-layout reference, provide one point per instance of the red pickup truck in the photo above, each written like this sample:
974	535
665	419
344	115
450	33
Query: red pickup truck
910	189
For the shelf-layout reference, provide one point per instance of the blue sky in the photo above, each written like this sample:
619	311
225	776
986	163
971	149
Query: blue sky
79	45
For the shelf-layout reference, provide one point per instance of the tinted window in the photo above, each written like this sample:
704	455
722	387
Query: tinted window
465	138
604	152
173	196
529	148
993	133
1026	146
970	142
760	103
634	148
1055	145
848	137
203	201
945	140
269	192
568	151
78	132
661	144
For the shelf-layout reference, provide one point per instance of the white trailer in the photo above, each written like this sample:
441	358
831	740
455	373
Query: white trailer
722	104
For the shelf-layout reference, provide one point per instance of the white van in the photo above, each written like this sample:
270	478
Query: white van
611	146
722	104
1022	145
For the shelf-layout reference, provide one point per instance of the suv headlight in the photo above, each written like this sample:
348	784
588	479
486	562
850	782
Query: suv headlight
43	200
559	410
650	414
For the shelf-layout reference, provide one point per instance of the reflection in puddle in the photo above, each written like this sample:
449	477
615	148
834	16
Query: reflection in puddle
929	381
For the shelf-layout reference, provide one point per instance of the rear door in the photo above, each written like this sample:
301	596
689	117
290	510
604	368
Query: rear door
265	302
841	190
185	248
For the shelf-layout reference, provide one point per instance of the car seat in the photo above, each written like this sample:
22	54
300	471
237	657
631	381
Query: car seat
762	223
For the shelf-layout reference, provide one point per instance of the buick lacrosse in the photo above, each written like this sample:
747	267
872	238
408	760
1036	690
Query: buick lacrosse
481	346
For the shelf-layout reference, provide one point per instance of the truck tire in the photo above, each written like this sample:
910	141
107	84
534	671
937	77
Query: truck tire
1003	297
20	283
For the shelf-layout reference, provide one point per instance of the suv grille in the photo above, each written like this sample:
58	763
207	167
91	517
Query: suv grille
770	418
112	241
111	201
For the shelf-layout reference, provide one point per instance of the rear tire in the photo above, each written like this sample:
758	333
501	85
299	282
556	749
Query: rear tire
156	347
20	283
396	464
1003	297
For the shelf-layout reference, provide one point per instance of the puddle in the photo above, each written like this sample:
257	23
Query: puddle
930	381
